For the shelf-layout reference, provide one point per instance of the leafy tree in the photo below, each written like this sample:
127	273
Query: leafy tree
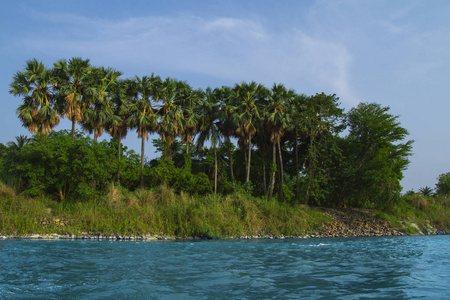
321	118
58	167
443	185
296	130
36	85
378	154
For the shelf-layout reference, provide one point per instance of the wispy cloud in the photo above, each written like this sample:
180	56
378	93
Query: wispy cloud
230	48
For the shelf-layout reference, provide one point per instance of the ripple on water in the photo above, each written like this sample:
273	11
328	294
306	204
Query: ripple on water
398	267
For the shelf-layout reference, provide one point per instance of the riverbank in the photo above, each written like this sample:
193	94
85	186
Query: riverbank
343	223
164	215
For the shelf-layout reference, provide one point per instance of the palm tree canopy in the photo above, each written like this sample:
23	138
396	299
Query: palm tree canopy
36	85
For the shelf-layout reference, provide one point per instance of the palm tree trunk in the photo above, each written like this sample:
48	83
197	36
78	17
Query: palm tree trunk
280	191
249	158
118	156
272	180
231	160
73	129
94	181
142	161
297	170
264	179
215	170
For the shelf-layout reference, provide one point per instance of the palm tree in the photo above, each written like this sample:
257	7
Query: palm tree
20	142
277	122
189	102
35	84
122	103
426	191
72	76
169	113
143	116
224	96
209	126
100	111
246	115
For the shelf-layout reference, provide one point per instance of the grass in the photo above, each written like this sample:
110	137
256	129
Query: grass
163	212
156	212
416	213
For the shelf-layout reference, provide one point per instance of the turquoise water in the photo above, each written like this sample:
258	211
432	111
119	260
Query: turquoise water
360	268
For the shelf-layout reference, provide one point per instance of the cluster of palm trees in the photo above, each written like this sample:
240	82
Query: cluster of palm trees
98	99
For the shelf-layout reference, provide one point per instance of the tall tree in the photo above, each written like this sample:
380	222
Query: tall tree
378	154
278	121
247	114
225	97
295	132
143	117
209	126
72	86
36	85
122	109
322	120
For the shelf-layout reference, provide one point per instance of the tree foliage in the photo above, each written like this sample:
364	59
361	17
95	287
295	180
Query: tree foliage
248	137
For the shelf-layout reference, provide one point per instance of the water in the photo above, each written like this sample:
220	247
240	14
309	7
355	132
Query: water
360	268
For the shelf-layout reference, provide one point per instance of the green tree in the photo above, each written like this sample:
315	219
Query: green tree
378	154
36	85
321	120
443	185
296	130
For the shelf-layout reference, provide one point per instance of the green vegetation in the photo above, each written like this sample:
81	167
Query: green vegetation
159	212
233	160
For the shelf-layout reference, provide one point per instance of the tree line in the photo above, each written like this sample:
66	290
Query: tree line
264	140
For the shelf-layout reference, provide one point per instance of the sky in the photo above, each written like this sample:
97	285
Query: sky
395	53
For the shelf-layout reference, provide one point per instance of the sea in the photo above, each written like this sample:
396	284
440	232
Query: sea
407	267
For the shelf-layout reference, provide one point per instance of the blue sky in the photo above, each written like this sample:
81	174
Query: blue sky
396	53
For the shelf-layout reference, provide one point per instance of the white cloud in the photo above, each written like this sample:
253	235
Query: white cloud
229	48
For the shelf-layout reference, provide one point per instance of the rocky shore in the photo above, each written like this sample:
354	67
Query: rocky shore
346	223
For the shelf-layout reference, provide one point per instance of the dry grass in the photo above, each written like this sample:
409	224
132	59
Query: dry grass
6	191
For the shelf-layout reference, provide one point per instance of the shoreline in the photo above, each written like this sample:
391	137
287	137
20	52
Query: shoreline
340	223
150	238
